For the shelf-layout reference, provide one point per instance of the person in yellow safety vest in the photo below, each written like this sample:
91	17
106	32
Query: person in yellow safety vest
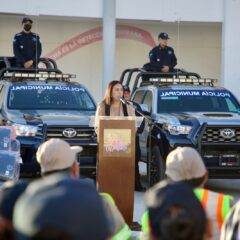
121	230
145	226
185	164
173	212
59	163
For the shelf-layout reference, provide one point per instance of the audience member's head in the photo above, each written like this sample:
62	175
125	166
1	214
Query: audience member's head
175	213
231	226
56	155
9	193
185	164
58	207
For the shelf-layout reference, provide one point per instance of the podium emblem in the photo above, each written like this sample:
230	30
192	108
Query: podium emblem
117	142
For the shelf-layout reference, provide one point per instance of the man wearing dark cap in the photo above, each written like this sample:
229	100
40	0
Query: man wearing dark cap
184	164
162	57
9	193
56	157
58	207
175	213
27	47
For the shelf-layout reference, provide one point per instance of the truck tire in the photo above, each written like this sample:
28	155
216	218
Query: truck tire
157	166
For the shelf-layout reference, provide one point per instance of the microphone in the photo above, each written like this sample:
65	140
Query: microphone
123	100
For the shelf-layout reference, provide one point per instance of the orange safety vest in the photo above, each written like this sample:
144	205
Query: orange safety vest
216	205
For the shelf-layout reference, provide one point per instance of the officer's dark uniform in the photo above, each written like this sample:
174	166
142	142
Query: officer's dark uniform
26	46
138	185
163	56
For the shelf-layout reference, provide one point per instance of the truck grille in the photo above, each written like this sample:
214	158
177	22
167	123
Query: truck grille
83	133
213	135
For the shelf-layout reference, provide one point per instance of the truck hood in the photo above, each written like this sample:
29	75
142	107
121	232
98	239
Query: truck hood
49	117
211	118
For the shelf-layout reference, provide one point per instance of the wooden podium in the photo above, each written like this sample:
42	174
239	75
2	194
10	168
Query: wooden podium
116	162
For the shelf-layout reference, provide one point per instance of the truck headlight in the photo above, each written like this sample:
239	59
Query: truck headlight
177	129
25	130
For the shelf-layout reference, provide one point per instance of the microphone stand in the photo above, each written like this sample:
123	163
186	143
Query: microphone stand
151	125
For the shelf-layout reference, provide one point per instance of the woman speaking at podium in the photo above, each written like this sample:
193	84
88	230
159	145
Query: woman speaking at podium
112	103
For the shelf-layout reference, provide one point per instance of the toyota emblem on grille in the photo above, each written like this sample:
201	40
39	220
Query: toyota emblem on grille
69	132
227	133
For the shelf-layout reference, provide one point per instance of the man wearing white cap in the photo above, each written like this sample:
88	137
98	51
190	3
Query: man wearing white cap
56	155
184	164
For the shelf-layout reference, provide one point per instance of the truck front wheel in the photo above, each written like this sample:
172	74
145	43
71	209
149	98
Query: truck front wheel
157	166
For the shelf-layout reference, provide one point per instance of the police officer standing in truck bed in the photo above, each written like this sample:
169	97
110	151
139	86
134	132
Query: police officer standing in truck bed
27	47
162	57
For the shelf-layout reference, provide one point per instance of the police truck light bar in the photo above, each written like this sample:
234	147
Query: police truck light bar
183	80
40	75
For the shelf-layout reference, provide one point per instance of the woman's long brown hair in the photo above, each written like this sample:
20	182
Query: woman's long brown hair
108	94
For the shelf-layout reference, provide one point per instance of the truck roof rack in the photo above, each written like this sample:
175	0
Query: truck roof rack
139	76
10	62
47	71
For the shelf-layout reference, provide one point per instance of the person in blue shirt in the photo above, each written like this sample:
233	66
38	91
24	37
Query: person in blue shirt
27	47
162	57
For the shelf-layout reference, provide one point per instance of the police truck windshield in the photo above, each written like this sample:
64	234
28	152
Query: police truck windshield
170	101
47	97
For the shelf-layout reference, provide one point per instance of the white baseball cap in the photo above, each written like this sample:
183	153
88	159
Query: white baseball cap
184	163
56	154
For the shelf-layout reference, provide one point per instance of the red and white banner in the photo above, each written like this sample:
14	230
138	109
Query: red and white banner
95	34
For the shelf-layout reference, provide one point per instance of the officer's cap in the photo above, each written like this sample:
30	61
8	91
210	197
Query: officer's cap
163	35
27	19
126	88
